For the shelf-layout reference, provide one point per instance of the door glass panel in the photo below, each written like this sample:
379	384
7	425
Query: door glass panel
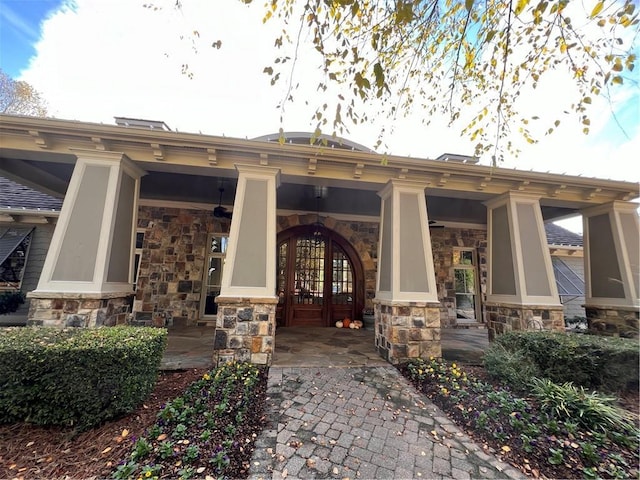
465	293
341	278
309	270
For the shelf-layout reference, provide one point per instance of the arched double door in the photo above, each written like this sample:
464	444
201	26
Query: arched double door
319	278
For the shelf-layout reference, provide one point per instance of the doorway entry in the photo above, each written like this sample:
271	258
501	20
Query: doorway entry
319	278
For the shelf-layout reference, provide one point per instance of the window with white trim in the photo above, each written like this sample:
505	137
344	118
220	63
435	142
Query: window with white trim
216	254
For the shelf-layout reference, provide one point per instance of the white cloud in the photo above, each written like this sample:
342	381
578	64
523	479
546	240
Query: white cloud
98	59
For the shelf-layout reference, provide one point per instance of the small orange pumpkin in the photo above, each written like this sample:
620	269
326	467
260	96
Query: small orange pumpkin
346	322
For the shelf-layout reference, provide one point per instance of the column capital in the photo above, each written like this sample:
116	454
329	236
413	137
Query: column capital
615	206
510	196
260	171
398	184
103	156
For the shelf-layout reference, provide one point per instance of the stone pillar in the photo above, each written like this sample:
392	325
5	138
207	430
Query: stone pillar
245	327
88	272
612	268
407	311
521	290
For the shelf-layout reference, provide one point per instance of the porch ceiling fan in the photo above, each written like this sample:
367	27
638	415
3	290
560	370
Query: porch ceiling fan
220	211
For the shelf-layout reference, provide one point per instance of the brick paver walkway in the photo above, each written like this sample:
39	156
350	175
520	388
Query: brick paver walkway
362	423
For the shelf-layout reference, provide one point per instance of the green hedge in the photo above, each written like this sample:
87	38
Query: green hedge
76	377
607	364
10	301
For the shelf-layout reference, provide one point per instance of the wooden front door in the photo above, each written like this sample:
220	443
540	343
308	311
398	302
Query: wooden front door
319	278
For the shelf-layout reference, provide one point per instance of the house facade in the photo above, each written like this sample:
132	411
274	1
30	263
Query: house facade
27	222
166	228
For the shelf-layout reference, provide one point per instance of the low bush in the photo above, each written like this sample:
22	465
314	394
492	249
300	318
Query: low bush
592	410
76	377
558	432
196	435
607	364
10	301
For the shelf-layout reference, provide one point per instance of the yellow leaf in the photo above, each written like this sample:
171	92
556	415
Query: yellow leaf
106	450
124	433
521	6
506	449
597	9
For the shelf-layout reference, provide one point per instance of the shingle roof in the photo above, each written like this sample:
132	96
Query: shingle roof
556	235
14	195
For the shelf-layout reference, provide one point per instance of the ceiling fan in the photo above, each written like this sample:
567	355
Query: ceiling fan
220	211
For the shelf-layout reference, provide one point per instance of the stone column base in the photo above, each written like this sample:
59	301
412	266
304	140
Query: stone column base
505	317
245	330
613	321
406	330
78	309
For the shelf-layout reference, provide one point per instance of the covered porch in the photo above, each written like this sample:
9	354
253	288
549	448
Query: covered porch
172	229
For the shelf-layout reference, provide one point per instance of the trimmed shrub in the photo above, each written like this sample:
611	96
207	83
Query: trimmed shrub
10	301
76	377
608	364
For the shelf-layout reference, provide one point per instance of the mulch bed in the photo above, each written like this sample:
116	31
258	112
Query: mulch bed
533	463
28	451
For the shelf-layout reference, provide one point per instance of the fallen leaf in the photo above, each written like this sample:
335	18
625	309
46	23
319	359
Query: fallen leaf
285	472
311	463
106	450
201	469
30	443
12	466
161	437
506	448
124	433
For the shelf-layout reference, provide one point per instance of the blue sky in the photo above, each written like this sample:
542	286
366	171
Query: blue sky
19	31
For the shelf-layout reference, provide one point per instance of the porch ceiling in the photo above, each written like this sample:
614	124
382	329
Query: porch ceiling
188	167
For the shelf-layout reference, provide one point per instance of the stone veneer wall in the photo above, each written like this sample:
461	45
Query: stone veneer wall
245	331
443	241
78	310
170	281
363	236
409	330
613	321
503	318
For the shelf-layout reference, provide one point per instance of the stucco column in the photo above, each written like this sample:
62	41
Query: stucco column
612	268
521	293
88	272
245	327
407	311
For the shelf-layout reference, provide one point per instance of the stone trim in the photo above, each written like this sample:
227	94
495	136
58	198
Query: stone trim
613	321
78	310
405	330
507	317
245	331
